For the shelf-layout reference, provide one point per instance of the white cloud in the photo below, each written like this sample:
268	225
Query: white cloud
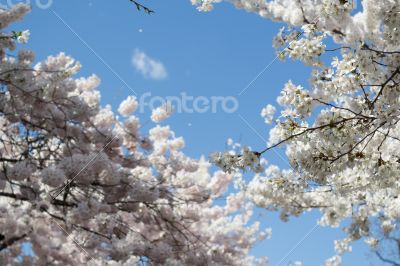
147	66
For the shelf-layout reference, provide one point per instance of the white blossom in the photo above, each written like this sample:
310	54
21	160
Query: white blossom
128	106
268	113
161	113
340	132
85	187
23	37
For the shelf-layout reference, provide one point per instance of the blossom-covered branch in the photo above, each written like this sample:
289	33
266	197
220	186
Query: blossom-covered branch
84	186
342	133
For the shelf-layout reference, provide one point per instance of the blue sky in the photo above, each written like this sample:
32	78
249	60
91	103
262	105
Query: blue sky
205	54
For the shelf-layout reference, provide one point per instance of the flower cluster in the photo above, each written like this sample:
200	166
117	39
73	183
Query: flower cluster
268	113
342	133
229	161
161	113
306	44
84	186
128	106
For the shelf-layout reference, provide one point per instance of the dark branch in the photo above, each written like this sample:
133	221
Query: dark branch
140	7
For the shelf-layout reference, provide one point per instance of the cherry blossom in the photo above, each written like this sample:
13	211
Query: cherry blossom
128	106
161	113
268	113
83	186
340	131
